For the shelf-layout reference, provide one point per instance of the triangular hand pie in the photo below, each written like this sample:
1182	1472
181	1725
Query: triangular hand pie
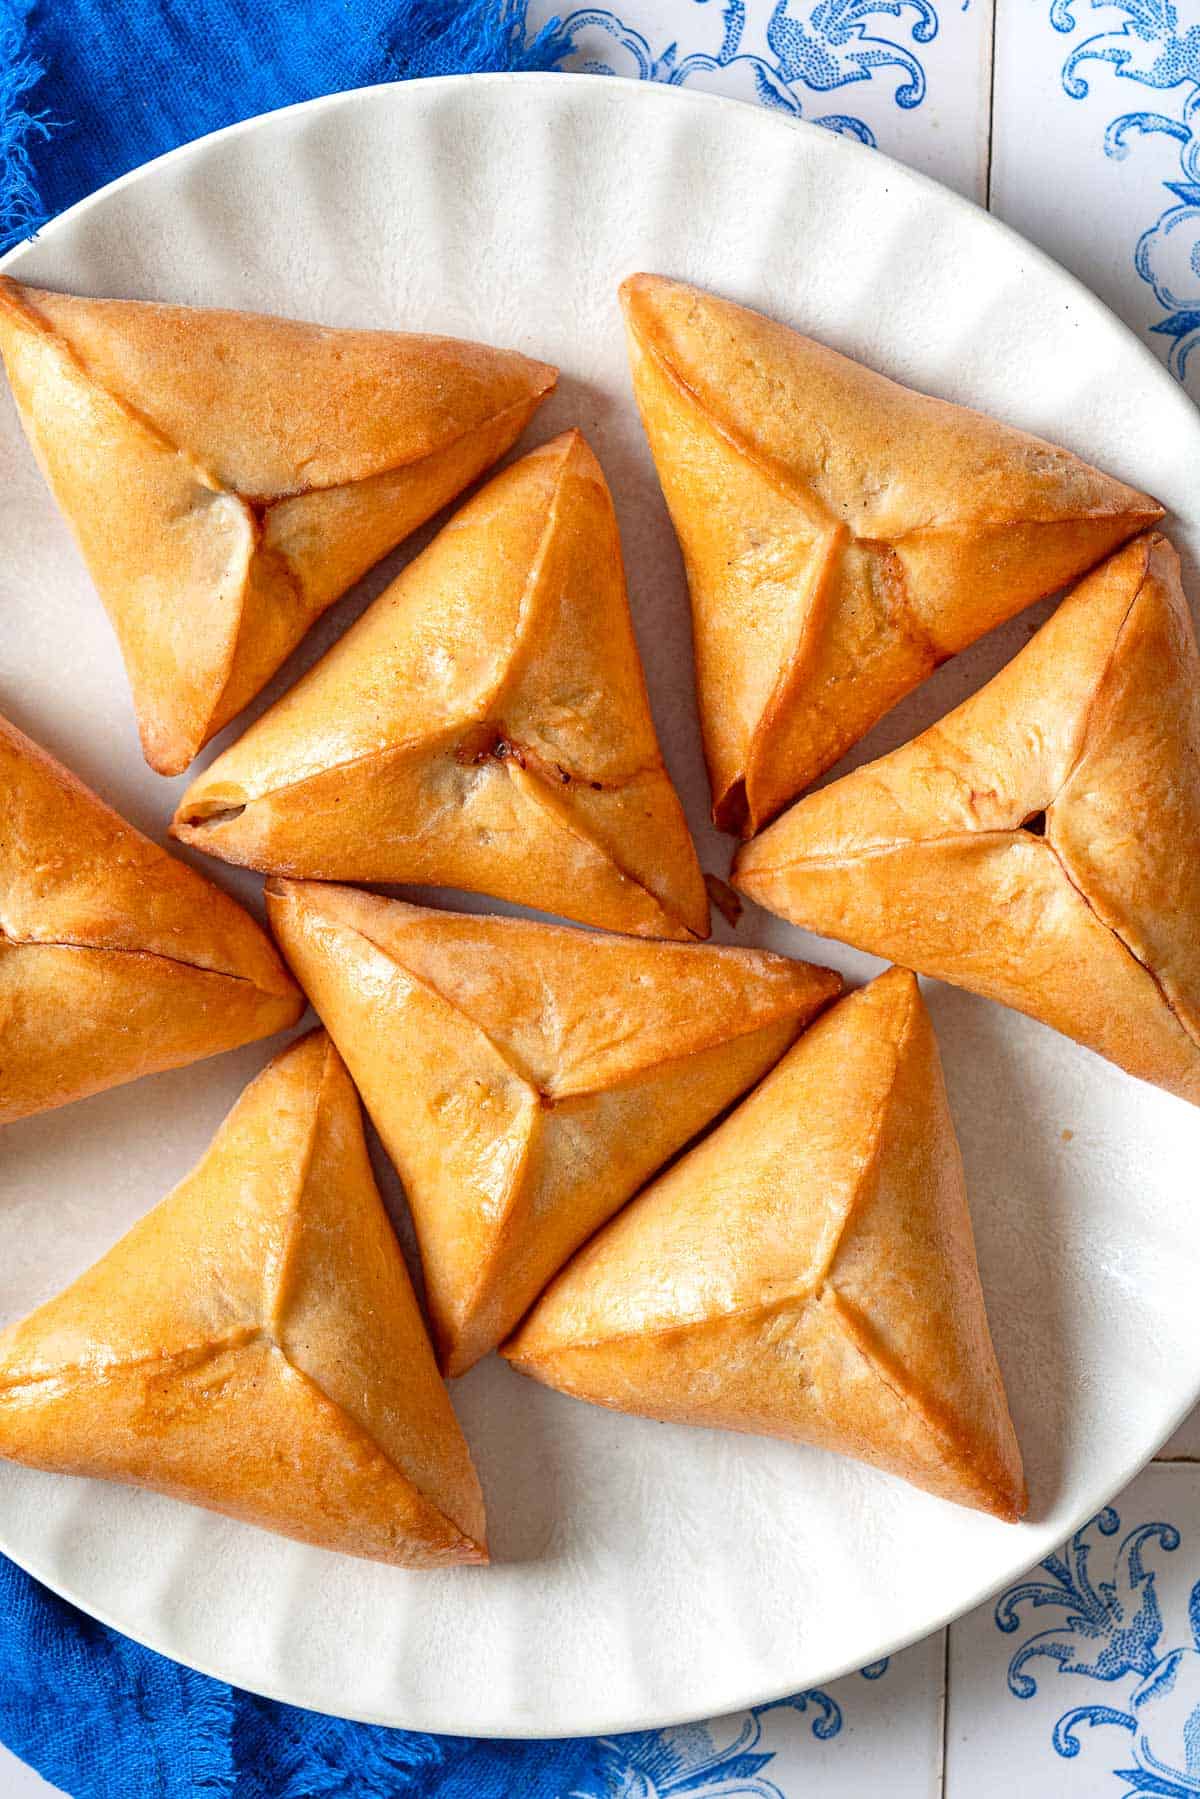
842	535
228	476
808	1271
115	959
1041	844
484	725
526	1078
254	1345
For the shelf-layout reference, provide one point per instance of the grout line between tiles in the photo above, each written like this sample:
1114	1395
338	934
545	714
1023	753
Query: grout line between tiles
991	105
1175	1461
945	1717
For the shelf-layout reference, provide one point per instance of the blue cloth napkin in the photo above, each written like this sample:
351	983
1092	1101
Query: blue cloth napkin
88	89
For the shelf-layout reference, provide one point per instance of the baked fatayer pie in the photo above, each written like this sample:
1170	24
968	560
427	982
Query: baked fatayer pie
253	1345
842	535
525	1078
1041	844
116	960
807	1271
228	475
484	725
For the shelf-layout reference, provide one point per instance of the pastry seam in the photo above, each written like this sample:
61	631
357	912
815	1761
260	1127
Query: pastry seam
500	1244
506	1055
790	488
869	851
948	1438
760	1310
970	837
1118	939
1090	706
357	1430
430	745
274	1295
153	955
540	794
35	321
83	1375
425	750
275	1301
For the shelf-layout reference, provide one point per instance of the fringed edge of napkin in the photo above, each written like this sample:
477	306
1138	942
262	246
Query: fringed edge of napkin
21	210
432	36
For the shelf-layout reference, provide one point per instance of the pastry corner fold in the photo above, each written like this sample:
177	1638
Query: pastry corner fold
253	1345
1038	844
842	535
822	1280
228	476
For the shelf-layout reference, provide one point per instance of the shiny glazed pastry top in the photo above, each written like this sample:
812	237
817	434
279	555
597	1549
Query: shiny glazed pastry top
807	1271
484	725
842	534
1039	844
116	959
254	1345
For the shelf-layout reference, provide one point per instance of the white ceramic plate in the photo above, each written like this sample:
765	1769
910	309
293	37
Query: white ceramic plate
643	1573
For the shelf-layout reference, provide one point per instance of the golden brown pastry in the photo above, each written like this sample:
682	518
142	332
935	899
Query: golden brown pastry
254	1345
808	1271
115	959
228	476
526	1078
1041	844
484	725
842	535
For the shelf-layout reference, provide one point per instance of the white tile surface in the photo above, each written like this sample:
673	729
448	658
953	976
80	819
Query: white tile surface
19	1782
861	1735
1185	1444
1112	1681
1091	120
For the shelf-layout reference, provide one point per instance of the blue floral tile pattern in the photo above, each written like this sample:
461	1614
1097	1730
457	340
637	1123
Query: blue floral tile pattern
659	1764
1157	47
805	52
1085	1675
761	1753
